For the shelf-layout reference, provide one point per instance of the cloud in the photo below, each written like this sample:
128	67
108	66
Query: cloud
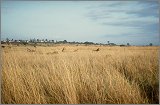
140	9
127	14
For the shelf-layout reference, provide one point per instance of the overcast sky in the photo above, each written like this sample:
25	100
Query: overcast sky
120	22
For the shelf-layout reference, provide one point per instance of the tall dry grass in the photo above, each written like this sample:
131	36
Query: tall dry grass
112	75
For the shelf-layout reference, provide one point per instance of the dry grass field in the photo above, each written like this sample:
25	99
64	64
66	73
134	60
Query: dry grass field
69	74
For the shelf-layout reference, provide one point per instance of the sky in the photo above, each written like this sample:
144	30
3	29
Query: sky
120	22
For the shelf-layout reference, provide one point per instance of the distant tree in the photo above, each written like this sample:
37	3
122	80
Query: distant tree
52	41
37	40
34	40
108	42
112	44
24	43
15	40
20	40
122	45
65	41
150	44
30	40
88	43
46	40
128	44
7	40
2	42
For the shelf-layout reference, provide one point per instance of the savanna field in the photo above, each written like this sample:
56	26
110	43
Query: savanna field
70	74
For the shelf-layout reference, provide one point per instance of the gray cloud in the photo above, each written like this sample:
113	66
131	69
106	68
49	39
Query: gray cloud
141	9
125	14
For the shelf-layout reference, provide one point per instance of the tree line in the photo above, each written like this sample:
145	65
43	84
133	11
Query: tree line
35	41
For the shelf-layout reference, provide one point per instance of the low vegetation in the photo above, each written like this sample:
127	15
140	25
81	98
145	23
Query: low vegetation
80	75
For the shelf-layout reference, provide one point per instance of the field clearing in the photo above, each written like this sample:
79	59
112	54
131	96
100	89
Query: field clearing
79	75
